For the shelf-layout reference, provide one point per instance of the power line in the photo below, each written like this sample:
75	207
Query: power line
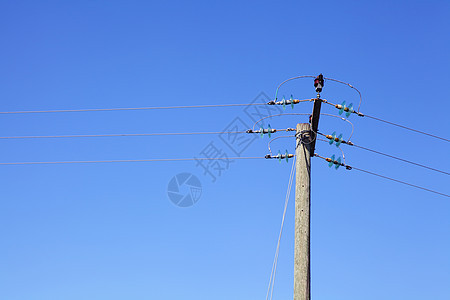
303	114
280	137
339	106
331	79
348	167
408	128
126	160
403	182
339	147
385	154
111	135
277	251
147	108
126	108
127	134
297	77
404	160
348	84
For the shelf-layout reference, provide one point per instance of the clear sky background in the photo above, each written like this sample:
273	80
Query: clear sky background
109	231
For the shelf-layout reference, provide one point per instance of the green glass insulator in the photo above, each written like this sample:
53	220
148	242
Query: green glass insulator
333	136
338	163
331	163
340	140
350	110
341	110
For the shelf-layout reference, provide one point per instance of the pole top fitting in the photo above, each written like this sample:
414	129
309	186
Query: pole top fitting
318	84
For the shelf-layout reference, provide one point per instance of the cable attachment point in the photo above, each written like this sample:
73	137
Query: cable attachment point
263	131
336	162
343	107
333	161
267	131
305	136
338	139
291	101
348	109
280	156
333	138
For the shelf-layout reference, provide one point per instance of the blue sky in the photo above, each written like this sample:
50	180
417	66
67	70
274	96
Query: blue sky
109	231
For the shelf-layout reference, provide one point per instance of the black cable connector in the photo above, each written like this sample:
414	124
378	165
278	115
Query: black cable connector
319	83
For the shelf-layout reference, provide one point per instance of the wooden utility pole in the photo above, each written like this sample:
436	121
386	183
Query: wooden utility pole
302	266
305	145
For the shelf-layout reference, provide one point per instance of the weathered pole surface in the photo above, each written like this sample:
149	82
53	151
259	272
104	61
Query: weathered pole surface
302	266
